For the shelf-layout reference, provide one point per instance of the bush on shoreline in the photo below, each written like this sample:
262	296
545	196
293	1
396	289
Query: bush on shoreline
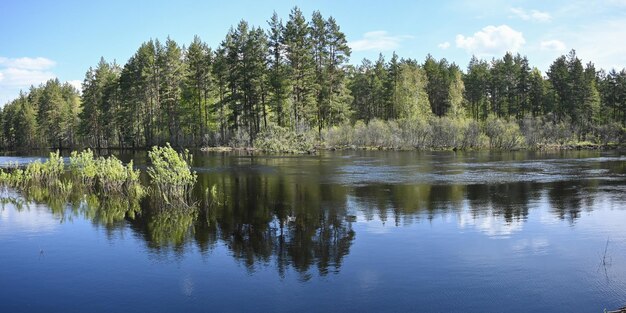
452	133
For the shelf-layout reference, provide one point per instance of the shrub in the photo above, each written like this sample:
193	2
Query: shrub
112	177
377	134
557	133
339	135
83	167
280	139
445	133
531	129
502	134
471	136
609	133
239	139
360	134
171	176
47	173
108	176
416	133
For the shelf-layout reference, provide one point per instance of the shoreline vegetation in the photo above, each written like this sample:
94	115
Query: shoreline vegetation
169	185
291	88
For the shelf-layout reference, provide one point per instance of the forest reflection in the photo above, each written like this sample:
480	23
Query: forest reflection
302	223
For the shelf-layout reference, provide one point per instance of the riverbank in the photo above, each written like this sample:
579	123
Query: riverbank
544	147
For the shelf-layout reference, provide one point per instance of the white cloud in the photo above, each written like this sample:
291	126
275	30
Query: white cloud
17	77
38	63
20	73
533	15
552	45
444	45
492	40
379	40
77	84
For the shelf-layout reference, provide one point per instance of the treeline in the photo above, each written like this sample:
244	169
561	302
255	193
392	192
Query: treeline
294	77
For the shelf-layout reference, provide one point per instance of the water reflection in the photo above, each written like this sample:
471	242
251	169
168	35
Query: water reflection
285	212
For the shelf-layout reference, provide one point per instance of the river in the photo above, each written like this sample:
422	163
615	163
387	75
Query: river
347	231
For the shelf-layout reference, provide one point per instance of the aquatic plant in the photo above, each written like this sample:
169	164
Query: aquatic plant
171	177
83	166
105	175
113	177
47	173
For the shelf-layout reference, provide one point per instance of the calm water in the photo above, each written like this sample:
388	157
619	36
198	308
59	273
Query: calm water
345	231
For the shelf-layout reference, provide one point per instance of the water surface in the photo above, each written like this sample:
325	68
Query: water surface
338	231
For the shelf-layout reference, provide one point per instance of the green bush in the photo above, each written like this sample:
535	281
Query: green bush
609	133
377	134
281	139
445	133
502	134
416	133
471	136
108	176
83	167
341	135
171	177
47	173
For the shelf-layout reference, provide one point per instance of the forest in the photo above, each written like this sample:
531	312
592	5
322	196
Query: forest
290	87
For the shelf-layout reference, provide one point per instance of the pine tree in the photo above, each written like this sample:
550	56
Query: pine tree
301	69
277	70
198	60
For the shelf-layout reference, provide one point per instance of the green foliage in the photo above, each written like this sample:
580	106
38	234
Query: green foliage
297	75
113	177
610	133
107	176
171	177
104	176
281	139
503	135
47	173
83	167
415	133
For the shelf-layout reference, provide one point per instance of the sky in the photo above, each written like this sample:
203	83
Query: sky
40	40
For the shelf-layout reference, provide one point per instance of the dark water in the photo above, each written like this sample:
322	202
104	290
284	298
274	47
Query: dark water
346	232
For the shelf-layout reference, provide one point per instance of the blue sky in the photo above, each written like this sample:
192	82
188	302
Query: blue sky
44	39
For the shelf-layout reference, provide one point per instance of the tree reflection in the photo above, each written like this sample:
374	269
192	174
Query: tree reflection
267	217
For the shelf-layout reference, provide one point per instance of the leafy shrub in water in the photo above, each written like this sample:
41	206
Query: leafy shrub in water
171	176
47	173
83	166
360	134
113	177
239	139
473	138
106	175
377	133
